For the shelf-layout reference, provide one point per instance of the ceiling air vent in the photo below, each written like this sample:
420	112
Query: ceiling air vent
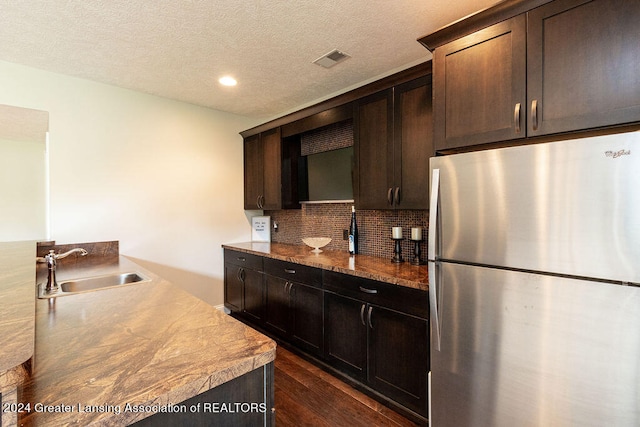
330	59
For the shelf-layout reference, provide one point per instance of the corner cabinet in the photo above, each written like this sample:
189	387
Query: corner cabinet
556	68
393	143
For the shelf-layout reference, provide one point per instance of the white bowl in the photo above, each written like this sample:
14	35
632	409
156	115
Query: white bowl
316	243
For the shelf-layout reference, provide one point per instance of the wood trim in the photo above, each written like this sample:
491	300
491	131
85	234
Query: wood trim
345	98
479	20
315	121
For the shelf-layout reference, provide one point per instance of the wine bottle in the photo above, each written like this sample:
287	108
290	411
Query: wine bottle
353	233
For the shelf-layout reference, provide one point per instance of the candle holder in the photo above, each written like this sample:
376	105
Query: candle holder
416	253
397	251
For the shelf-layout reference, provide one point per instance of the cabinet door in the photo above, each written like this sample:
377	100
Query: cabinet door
253	296
413	137
480	86
373	143
346	335
253	173
399	357
583	65
272	164
306	326
233	287
277	313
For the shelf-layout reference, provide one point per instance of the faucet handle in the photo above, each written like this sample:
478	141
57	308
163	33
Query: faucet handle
48	257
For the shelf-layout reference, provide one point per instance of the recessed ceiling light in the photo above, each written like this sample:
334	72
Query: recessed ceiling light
228	81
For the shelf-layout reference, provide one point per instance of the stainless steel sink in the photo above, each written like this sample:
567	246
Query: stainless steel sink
88	284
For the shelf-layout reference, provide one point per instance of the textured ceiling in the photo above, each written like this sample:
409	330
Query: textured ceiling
179	48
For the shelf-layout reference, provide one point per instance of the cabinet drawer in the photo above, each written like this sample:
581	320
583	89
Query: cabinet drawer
243	259
295	272
399	298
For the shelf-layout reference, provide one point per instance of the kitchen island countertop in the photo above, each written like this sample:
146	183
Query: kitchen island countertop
369	267
148	344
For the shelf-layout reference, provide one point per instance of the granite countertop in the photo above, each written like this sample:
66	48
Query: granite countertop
17	308
143	344
402	274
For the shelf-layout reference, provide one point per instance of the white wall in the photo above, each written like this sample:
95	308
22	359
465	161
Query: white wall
162	177
22	190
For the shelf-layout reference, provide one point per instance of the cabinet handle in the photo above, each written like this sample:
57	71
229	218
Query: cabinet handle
362	315
289	270
516	117
369	317
534	114
397	196
390	196
241	275
241	258
290	288
368	291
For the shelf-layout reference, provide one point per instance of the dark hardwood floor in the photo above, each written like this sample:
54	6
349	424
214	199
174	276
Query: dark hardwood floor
305	395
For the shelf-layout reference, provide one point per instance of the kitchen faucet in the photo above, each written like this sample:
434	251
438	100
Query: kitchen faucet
51	259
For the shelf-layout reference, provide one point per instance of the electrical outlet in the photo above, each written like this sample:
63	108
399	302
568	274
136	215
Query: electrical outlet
345	234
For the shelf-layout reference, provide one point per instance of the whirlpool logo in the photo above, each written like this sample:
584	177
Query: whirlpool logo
616	154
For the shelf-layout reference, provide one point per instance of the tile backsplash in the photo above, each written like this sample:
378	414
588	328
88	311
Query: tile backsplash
331	137
330	219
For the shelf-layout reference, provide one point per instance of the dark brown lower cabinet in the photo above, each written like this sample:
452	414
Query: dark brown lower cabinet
293	310
243	289
277	304
233	288
374	333
378	334
307	318
346	335
386	349
399	357
253	295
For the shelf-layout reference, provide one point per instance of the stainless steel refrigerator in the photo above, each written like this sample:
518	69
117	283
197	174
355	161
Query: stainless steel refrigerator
534	275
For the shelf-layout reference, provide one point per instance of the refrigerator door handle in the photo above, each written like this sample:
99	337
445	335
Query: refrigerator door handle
432	256
433	215
433	305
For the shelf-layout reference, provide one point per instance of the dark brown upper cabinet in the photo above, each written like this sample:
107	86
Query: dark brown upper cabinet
545	68
480	86
270	171
262	165
582	61
393	143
